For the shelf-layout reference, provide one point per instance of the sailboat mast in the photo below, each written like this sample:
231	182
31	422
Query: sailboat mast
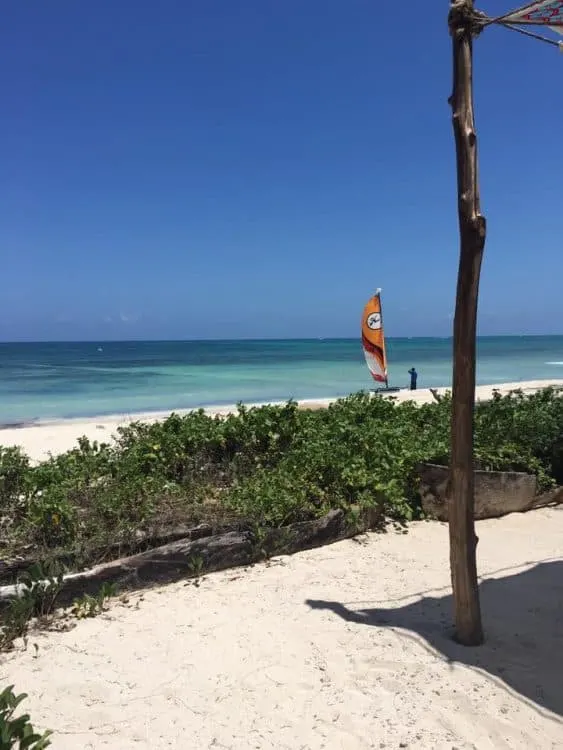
378	293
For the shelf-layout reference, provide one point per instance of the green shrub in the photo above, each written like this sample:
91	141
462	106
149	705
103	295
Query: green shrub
14	473
51	516
17	731
268	466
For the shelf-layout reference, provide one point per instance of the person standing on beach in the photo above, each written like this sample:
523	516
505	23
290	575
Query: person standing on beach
414	375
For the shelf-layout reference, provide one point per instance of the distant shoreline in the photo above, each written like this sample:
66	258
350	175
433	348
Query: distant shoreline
43	437
421	395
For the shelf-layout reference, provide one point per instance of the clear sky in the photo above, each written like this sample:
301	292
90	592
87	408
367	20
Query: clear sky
256	168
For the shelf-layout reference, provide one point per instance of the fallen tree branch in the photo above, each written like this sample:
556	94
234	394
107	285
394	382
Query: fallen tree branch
188	558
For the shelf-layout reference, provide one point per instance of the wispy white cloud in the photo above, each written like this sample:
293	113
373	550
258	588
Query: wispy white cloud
128	317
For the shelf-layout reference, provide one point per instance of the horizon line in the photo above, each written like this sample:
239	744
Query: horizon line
262	340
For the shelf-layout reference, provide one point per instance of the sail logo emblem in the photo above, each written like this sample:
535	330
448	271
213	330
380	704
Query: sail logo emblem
373	321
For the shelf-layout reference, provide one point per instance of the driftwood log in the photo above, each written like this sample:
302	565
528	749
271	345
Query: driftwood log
10	570
188	557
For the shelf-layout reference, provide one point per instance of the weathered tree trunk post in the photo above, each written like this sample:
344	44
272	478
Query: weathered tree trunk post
463	24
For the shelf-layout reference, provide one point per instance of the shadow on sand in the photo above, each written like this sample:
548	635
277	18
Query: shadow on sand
523	620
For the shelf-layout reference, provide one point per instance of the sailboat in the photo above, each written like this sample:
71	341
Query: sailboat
373	342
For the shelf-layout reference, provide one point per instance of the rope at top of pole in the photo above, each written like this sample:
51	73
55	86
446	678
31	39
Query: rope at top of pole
464	17
533	35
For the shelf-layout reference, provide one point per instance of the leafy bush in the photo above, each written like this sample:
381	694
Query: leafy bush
14	471
524	431
17	732
51	516
266	466
39	587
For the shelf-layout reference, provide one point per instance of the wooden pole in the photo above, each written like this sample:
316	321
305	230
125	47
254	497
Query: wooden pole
472	231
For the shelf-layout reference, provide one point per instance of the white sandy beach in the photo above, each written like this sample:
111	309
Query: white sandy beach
342	648
40	440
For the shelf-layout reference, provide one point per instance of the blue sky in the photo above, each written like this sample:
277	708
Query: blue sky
254	168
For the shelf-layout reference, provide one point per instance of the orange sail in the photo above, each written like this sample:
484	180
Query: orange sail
373	339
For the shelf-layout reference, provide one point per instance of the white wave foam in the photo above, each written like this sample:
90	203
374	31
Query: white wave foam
554	363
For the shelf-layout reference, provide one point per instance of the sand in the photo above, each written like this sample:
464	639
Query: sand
42	439
343	647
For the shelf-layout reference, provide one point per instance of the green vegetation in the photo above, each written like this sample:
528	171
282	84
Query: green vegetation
264	467
40	586
92	606
16	732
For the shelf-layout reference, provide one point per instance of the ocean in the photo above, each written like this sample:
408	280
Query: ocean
48	381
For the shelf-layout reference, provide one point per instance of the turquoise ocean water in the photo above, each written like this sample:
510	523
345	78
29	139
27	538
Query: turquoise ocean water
64	380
